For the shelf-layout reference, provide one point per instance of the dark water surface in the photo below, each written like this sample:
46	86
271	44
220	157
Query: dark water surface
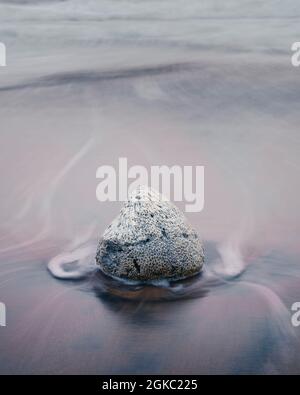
207	324
89	82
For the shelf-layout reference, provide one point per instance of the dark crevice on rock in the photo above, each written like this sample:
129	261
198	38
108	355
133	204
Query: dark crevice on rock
163	232
136	265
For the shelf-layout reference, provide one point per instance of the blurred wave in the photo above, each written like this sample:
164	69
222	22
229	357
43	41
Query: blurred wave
160	82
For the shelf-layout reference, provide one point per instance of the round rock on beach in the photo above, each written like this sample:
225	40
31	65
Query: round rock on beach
150	240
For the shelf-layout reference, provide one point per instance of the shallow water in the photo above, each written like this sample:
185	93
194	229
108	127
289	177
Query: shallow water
205	84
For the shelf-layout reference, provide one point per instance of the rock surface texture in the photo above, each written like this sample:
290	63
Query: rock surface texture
150	240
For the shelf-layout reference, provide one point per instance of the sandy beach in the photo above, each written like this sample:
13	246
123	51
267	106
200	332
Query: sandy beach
89	82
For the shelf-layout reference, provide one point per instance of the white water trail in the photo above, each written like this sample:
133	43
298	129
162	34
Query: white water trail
46	204
231	262
73	265
78	259
277	308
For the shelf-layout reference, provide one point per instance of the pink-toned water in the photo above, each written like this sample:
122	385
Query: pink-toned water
68	106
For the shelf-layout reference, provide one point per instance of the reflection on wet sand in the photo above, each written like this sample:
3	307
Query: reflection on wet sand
204	86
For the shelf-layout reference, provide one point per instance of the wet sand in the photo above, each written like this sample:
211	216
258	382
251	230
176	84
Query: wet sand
178	94
205	325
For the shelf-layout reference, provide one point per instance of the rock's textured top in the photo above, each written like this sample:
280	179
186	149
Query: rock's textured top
150	239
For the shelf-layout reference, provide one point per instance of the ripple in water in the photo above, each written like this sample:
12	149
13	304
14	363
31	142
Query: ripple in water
79	264
224	268
75	264
242	294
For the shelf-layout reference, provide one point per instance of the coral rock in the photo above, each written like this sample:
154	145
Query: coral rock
149	240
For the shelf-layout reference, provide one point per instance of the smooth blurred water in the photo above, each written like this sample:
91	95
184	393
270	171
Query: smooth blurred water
159	82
